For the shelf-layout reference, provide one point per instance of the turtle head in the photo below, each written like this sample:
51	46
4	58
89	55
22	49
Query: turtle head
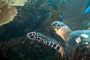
61	29
57	25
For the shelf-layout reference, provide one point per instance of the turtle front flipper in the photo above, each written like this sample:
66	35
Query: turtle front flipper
46	40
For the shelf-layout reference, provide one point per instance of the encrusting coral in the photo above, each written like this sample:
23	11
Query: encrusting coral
7	11
2	4
17	2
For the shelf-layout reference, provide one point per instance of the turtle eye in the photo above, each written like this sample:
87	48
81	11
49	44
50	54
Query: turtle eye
54	25
58	25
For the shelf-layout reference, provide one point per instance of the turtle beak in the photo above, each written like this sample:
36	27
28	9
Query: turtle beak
62	53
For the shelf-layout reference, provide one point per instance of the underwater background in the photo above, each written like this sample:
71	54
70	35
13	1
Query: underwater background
37	15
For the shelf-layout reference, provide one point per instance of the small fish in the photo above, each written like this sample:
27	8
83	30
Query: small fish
86	10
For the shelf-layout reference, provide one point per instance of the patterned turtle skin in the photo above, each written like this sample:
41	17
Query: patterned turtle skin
77	44
46	40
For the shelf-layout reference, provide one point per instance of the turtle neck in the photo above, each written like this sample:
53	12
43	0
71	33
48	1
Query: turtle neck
64	32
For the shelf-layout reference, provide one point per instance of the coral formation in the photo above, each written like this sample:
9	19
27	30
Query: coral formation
7	13
17	2
13	35
3	3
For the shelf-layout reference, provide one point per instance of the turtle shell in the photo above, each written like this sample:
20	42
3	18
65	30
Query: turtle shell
78	45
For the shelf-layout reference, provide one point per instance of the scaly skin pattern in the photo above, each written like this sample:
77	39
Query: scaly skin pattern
77	42
78	45
46	40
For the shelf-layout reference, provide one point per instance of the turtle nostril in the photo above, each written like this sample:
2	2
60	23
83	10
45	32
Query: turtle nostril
57	28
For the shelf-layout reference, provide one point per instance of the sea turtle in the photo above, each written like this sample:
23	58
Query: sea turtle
77	43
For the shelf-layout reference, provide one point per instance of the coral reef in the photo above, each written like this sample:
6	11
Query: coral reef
17	2
13	38
37	15
21	48
7	13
